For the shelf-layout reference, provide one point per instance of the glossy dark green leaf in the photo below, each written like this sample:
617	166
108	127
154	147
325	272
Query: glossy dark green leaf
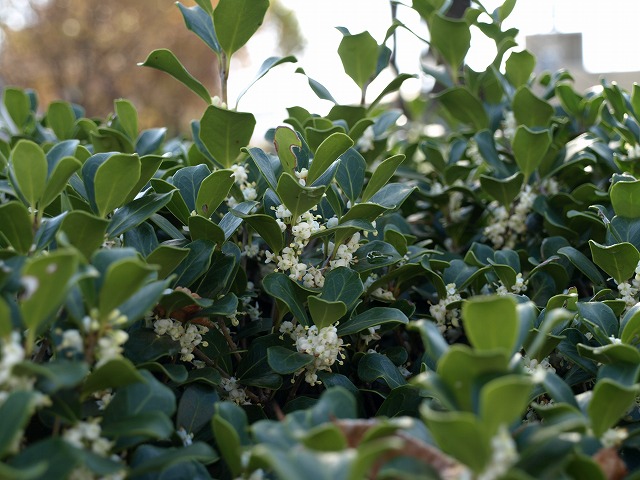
122	279
264	164
213	190
188	180
235	22
177	205
167	258
201	228
225	132
142	301
16	411
267	228
200	22
434	343
280	286
136	212
317	87
149	165
164	60
58	178
350	174
196	407
195	264
371	318
145	346
230	222
374	366
381	175
149	459
230	426
342	284
609	403
150	140
113	180
127	117
328	151
15	226
619	260
625	198
583	264
286	361
376	254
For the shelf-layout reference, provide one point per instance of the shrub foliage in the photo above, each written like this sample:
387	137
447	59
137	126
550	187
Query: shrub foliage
359	299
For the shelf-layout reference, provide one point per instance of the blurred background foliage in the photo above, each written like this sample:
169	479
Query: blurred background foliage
86	53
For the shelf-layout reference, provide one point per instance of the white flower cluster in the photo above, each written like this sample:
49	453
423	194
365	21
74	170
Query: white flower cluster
109	344
382	294
235	393
440	313
344	254
189	336
519	287
87	436
506	228
537	369
509	126
504	454
241	176
324	345
365	142
629	290
614	437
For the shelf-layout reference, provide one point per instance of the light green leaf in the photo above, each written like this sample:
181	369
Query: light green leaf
531	110
115	373
504	190
286	141
450	37
267	228
84	231
15	226
504	400
235	22
519	67
127	117
225	132
58	179
199	20
491	322
529	148
359	55
464	106
61	119
625	198
122	279
203	228
296	198
18	106
167	258
608	404
619	260
394	85
164	60
29	168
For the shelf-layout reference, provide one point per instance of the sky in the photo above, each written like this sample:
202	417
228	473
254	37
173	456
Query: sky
609	31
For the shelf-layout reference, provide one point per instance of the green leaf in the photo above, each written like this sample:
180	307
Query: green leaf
127	117
286	361
608	404
230	425
29	167
583	264
84	231
350	173
296	198
263	162
371	318
267	228
117	372
286	143
212	192
450	37
195	264
16	410
376	254
625	198
504	400
374	366
136	212
225	132
326	153
280	286
504	190
235	22
205	229
167	258
18	106
267	65
196	407
519	67
188	181
61	119
162	459
317	87
393	86
491	323
113	181
529	148
164	60
619	260
121	280
325	313
58	178
199	20
381	175
16	226
461	435
46	279
464	107
359	56
530	110
342	284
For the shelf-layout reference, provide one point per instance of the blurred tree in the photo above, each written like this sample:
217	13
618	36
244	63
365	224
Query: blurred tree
86	52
